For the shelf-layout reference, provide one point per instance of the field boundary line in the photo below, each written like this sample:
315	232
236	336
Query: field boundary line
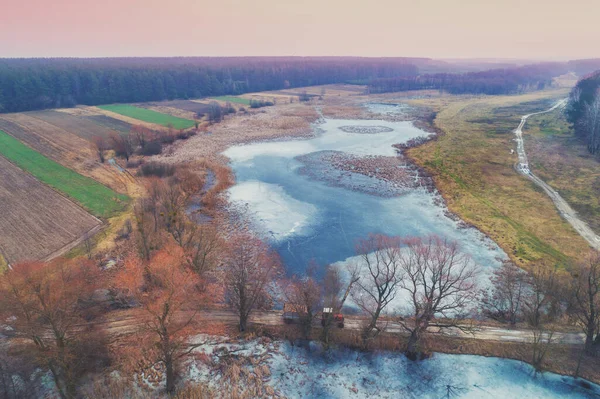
66	248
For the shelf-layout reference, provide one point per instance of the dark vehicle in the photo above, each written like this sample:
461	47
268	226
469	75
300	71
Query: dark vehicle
336	318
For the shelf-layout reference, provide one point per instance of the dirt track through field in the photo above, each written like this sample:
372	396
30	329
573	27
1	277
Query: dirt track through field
563	207
35	220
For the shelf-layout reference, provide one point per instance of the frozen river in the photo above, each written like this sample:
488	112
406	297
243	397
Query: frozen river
305	218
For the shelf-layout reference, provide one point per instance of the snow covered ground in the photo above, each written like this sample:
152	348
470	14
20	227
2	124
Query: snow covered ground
269	206
300	372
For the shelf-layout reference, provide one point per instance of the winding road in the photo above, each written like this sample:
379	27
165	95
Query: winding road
563	207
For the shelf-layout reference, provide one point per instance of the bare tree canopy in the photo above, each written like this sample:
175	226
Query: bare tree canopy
585	292
306	292
249	270
380	276
170	295
503	300
440	282
44	303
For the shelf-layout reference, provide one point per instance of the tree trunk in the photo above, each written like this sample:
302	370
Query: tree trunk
589	338
412	349
170	375
57	381
243	322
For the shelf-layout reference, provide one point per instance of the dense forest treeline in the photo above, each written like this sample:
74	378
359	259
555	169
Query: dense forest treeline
38	83
493	82
583	111
28	84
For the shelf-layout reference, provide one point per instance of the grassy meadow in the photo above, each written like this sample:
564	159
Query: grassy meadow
98	199
473	167
148	115
233	99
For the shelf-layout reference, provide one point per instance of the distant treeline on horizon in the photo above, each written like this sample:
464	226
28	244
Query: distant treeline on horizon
38	83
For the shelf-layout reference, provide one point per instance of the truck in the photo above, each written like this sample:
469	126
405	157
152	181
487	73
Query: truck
336	318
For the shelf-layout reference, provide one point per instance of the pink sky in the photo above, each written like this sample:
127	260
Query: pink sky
548	29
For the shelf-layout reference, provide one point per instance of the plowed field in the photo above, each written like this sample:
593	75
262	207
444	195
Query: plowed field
35	220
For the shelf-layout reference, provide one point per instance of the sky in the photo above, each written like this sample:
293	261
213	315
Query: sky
523	29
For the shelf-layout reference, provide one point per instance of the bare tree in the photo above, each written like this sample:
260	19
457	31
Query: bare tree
249	270
155	188
503	300
46	305
99	145
122	144
141	135
88	245
306	292
585	292
215	112
380	275
169	295
537	305
144	230
202	247
591	124
440	282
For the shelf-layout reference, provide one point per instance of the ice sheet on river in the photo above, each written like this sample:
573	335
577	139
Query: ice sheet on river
308	218
271	209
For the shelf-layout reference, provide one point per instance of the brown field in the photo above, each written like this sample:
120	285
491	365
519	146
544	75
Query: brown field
61	146
78	125
36	221
109	123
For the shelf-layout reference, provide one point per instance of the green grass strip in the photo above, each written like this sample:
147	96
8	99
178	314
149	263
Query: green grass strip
233	99
98	199
147	115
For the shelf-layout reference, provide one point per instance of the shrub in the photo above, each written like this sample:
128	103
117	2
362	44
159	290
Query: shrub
134	163
260	103
152	148
156	169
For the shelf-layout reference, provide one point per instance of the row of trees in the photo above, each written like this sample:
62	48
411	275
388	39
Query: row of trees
492	82
583	111
437	286
28	84
140	140
174	269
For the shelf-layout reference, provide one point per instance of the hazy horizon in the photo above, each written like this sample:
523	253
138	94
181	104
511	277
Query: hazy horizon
509	29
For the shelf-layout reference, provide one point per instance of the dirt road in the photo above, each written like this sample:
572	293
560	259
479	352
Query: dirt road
563	207
128	322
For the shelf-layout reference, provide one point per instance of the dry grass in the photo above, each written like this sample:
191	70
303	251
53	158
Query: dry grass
564	162
473	168
177	112
286	120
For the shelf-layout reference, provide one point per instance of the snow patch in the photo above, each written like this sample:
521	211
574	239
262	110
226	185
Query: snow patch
273	211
